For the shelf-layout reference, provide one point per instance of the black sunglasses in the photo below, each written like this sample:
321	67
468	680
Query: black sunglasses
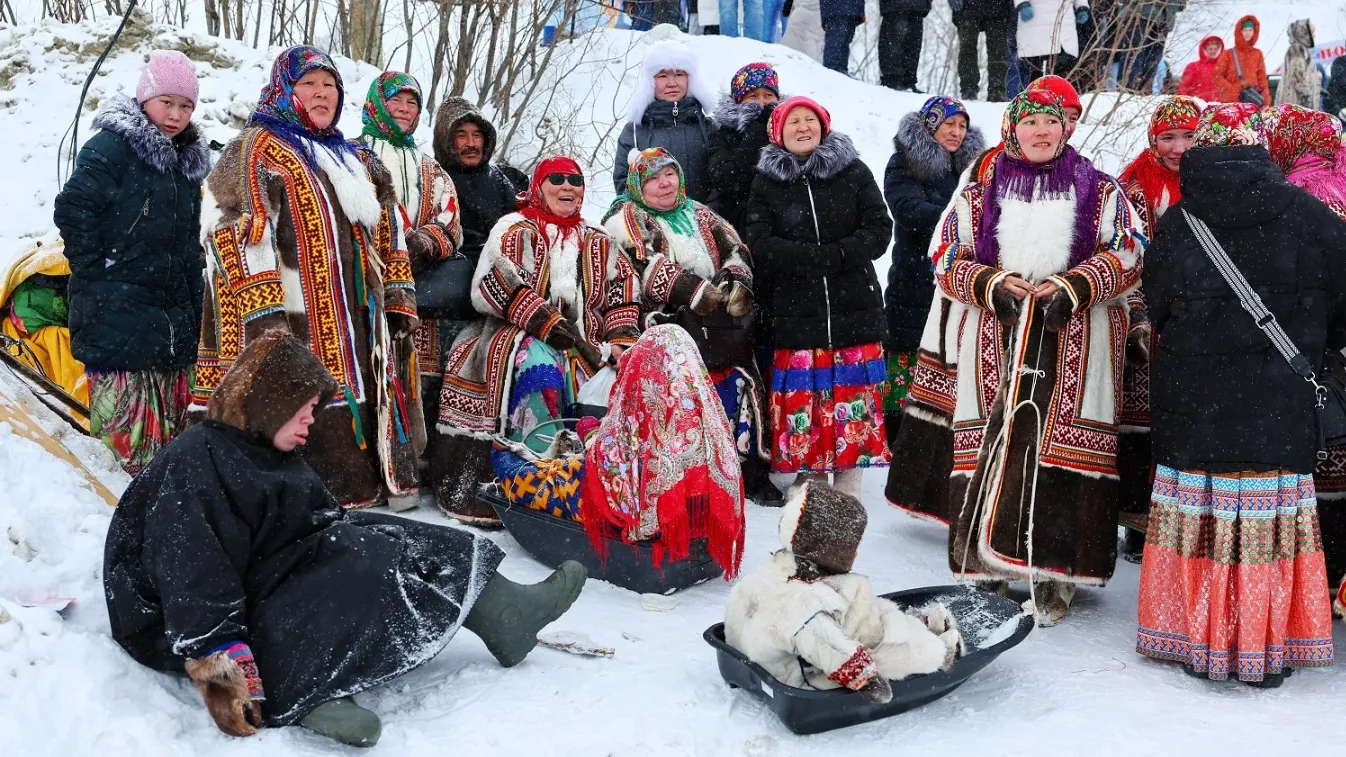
557	179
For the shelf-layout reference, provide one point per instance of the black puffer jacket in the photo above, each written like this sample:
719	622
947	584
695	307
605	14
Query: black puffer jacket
918	183
130	217
815	229
486	191
1222	399
735	148
682	129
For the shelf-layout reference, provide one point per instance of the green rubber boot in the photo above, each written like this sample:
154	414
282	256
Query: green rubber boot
345	721
507	616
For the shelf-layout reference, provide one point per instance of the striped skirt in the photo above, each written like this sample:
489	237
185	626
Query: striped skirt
1233	581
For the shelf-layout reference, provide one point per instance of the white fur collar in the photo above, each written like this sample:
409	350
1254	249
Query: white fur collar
350	181
1036	237
404	164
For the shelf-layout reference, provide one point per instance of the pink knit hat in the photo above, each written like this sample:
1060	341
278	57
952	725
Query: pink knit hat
168	72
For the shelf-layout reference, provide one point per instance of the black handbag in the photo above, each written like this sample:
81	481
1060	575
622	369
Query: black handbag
724	341
1329	389
444	289
1251	95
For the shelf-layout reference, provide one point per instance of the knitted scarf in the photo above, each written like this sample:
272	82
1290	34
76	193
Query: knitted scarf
681	218
1016	177
378	122
280	112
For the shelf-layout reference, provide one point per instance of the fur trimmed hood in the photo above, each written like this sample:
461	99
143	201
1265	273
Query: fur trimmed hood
186	154
664	56
734	115
835	152
451	113
926	159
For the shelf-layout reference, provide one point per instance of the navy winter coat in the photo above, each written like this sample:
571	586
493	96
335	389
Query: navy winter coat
682	129
735	148
130	217
919	182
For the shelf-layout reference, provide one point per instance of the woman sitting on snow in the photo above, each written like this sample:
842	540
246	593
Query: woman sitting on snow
689	257
227	557
811	622
558	305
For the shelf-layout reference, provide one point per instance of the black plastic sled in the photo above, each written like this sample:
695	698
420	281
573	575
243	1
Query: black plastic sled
551	541
981	617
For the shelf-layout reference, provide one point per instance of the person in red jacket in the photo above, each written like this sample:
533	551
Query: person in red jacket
1243	57
1198	79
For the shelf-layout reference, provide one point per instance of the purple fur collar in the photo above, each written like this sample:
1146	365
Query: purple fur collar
1018	179
122	115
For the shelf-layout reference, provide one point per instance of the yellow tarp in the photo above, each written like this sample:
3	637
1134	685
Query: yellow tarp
49	345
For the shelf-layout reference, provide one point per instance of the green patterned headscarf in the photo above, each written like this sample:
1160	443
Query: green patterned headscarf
1029	103
681	219
378	123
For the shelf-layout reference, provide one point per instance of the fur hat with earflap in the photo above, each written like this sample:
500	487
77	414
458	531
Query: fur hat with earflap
821	527
669	55
274	377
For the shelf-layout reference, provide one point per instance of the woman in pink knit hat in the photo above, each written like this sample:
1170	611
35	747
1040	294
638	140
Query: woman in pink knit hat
130	218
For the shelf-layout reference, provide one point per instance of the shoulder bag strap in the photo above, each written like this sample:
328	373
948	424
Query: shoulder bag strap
1237	68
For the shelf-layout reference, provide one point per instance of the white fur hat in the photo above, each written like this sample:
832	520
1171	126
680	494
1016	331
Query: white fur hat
669	55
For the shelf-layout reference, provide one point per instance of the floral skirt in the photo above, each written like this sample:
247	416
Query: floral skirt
137	413
826	410
1232	581
900	366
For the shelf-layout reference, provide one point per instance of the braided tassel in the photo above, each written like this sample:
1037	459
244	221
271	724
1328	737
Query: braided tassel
399	409
356	425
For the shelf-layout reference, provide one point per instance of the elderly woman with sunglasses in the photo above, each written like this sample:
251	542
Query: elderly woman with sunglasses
558	304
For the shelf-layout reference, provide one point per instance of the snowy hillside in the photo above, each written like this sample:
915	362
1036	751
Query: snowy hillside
67	689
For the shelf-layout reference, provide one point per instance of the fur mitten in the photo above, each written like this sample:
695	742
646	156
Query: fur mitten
1057	309
877	690
1005	306
1138	344
740	300
401	325
708	300
562	336
421	248
228	680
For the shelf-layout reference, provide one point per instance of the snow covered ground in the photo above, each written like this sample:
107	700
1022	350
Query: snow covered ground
66	689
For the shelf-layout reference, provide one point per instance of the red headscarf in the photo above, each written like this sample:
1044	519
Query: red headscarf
782	111
1158	183
1060	87
534	205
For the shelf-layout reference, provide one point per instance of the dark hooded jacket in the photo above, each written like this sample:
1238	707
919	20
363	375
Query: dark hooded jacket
487	191
682	129
226	539
1222	399
735	147
130	217
1335	100
815	227
920	180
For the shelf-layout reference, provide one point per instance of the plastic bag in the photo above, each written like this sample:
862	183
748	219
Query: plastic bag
596	390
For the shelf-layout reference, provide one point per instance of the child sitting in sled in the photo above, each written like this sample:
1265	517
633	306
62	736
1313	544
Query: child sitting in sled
812	623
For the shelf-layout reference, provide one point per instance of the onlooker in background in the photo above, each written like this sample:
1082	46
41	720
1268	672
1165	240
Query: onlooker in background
1241	72
1017	76
1198	79
992	18
647	14
1048	40
840	18
754	21
1301	82
901	27
708	16
741	117
1335	99
668	110
130	216
1146	32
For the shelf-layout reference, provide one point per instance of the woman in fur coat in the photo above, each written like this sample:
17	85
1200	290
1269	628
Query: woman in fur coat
304	236
558	303
1306	145
1151	185
1044	255
688	257
427	205
669	110
228	558
1301	81
931	149
1198	79
816	221
130	216
1233	583
1242	66
812	623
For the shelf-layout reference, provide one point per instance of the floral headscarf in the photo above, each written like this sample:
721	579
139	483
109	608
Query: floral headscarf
1030	103
939	109
1298	132
378	122
1177	112
282	113
650	161
1159	184
1232	124
754	76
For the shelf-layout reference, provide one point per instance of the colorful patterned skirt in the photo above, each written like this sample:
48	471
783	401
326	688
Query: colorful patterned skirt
900	366
1232	581
739	395
543	392
137	413
826	410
